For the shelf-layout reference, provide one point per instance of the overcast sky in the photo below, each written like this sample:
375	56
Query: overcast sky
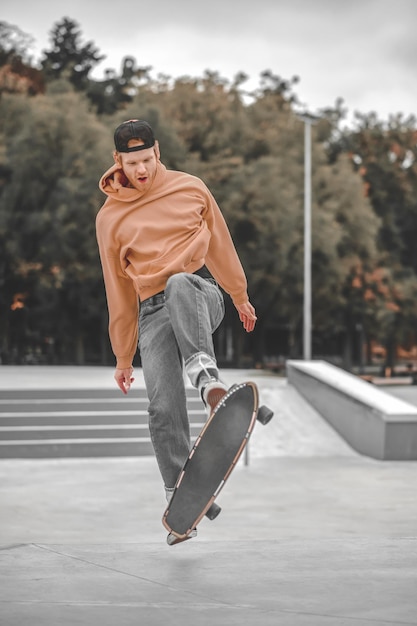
364	51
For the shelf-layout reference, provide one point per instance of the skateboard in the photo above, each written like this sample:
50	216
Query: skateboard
212	458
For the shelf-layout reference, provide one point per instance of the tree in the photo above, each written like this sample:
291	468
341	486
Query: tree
14	43
265	211
16	72
385	156
68	57
205	113
116	91
249	149
47	211
345	230
252	159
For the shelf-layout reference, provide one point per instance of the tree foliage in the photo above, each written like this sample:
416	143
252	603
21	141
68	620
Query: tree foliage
14	43
249	148
68	57
56	152
385	156
16	72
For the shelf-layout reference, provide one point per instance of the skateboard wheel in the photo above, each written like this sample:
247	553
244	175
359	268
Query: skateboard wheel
213	511
264	415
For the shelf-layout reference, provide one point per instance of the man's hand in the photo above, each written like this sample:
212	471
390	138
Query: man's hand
247	316
124	378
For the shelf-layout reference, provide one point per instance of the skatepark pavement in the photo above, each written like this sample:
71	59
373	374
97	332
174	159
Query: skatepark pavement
311	533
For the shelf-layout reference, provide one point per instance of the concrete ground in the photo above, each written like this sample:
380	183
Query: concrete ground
311	534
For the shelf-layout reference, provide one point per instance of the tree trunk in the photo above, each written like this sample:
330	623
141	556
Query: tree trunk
79	348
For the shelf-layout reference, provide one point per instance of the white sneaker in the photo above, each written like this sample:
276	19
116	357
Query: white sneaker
213	392
173	540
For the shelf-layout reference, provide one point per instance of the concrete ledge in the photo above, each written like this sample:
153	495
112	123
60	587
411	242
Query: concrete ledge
373	422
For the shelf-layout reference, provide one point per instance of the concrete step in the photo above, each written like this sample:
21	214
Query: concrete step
123	431
76	423
57	393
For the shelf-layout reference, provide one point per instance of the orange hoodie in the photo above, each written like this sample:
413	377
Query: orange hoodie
146	237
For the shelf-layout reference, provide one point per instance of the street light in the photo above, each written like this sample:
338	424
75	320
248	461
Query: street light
308	120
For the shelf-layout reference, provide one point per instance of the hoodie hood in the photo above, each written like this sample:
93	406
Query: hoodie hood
115	185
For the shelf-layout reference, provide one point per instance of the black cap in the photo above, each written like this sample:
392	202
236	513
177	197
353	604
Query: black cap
133	129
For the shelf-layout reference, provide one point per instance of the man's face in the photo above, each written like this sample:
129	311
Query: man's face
139	167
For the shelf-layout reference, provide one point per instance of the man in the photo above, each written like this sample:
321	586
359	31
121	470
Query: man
164	248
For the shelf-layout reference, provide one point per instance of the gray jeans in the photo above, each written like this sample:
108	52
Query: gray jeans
176	327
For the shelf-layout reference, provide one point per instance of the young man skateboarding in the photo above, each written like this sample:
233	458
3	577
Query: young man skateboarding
164	248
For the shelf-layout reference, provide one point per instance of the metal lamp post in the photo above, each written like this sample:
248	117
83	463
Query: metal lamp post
308	120
307	240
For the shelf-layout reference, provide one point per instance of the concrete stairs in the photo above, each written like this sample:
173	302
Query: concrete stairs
54	423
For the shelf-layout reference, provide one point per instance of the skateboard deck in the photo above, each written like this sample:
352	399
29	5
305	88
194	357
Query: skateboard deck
213	456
